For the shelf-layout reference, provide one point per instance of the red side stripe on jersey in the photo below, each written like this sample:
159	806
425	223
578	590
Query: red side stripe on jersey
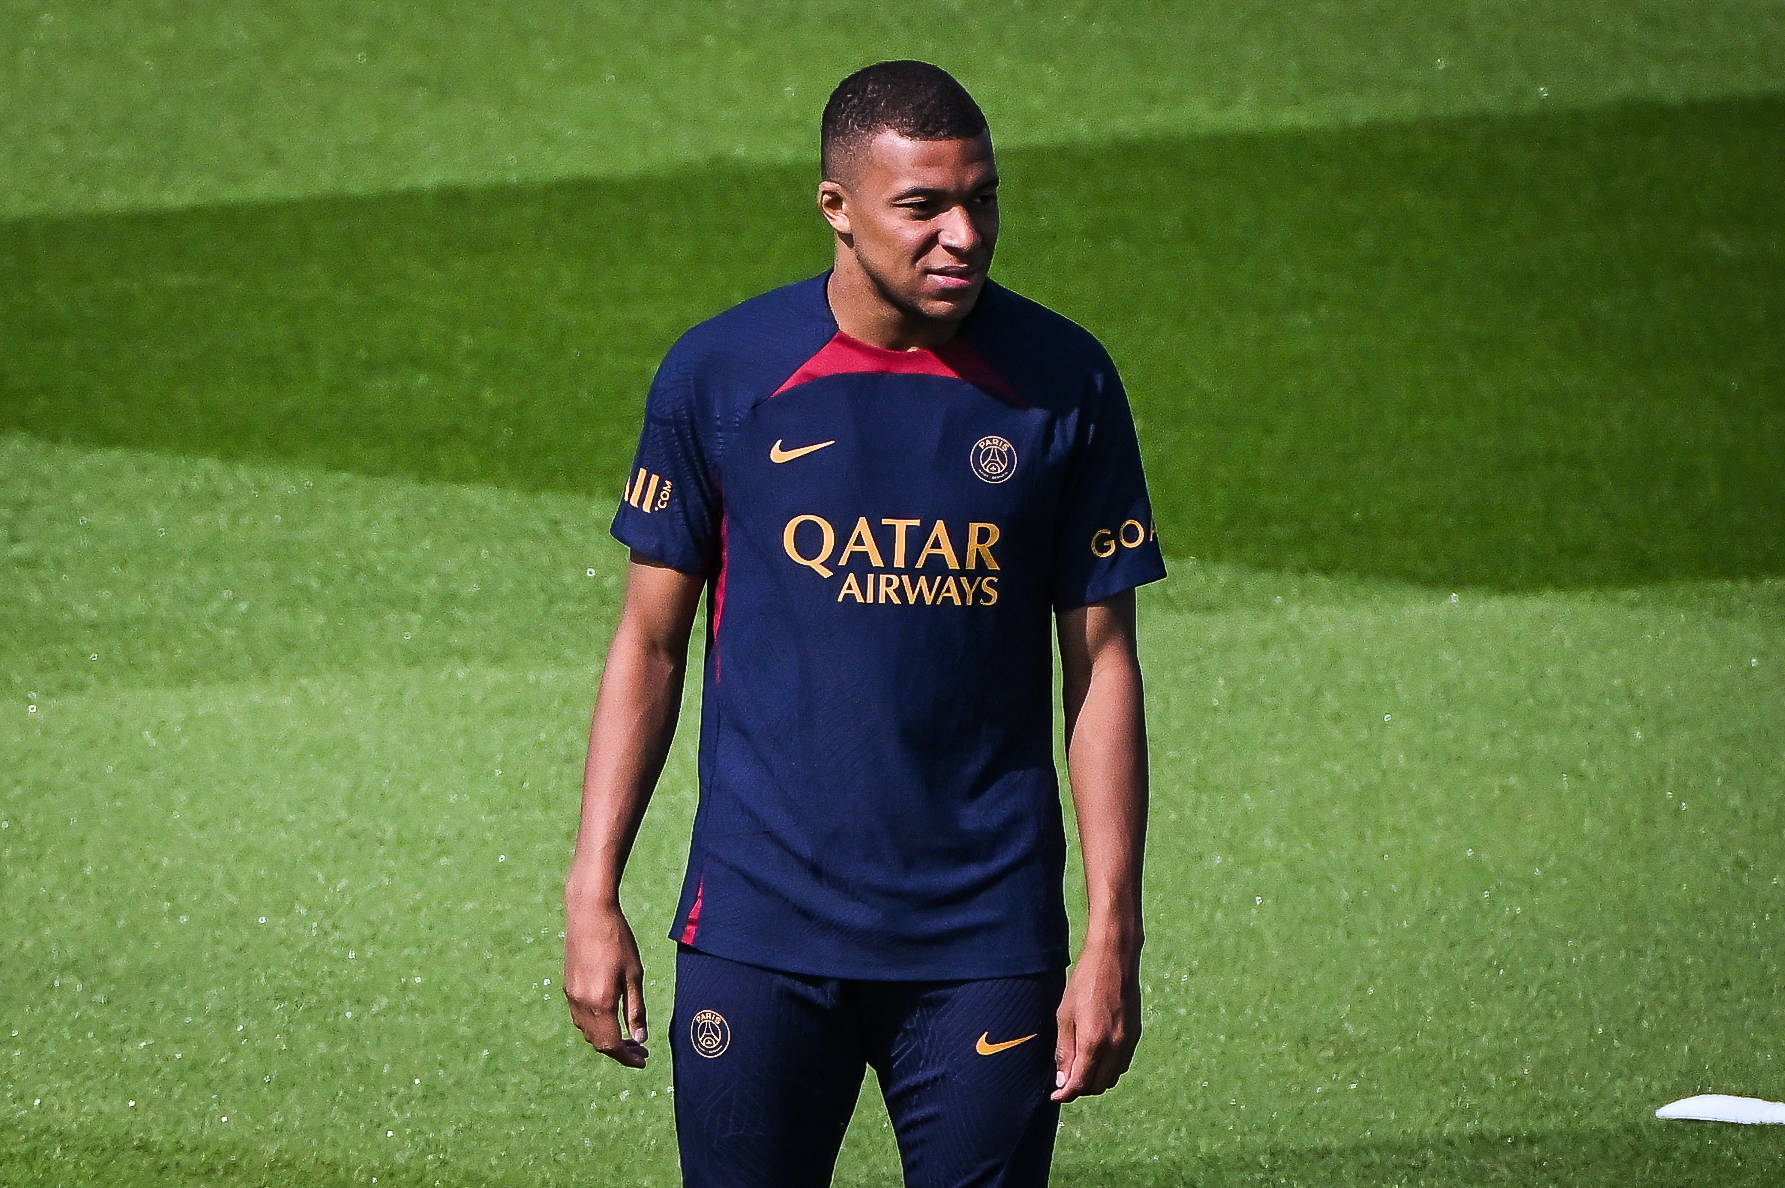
954	359
719	593
692	924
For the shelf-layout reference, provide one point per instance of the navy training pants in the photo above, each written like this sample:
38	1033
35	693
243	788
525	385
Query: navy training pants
768	1066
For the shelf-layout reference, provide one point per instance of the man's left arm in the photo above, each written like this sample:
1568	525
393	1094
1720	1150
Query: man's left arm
1106	761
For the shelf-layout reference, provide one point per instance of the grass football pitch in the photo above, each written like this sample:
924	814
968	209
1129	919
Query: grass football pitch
1454	334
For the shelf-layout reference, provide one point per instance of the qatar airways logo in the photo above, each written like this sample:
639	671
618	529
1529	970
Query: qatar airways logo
901	562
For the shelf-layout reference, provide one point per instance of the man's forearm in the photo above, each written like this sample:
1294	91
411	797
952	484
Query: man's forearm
629	737
634	721
1106	759
1107	765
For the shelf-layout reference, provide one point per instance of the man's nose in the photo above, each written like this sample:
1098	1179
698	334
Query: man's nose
958	233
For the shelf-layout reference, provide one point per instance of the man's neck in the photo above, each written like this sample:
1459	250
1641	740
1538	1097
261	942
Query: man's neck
864	315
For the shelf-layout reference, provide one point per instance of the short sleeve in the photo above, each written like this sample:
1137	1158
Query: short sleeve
1107	541
669	507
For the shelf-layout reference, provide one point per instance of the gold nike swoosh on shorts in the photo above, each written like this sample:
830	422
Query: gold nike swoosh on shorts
986	1048
779	455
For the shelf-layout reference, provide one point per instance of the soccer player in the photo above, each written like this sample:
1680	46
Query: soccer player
897	485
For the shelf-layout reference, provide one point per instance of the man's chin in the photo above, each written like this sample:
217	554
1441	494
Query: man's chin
929	309
953	303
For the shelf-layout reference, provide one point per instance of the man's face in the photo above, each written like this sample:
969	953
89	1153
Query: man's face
920	218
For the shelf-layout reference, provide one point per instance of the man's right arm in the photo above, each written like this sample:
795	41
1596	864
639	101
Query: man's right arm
635	718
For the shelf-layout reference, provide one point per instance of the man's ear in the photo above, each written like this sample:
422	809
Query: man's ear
833	204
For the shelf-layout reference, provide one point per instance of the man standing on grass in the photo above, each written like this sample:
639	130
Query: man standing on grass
895	483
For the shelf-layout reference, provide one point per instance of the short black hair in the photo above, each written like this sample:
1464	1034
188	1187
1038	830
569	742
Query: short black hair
914	99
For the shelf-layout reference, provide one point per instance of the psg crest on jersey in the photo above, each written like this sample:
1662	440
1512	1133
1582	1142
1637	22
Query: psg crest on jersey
994	459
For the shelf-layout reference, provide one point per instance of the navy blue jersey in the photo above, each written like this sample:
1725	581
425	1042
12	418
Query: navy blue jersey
886	537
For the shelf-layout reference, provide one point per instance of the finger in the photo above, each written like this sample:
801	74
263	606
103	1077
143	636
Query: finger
1103	1077
1093	1068
1078	1082
1064	1049
620	1049
596	1024
635	1005
630	1054
1110	1058
1080	1069
601	1027
1119	1057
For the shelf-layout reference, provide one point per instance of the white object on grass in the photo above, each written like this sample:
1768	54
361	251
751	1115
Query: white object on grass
1721	1107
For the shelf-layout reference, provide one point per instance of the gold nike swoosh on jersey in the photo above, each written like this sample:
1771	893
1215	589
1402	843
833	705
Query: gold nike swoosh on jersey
986	1048
779	455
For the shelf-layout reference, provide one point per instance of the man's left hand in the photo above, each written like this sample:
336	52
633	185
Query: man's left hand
1099	1025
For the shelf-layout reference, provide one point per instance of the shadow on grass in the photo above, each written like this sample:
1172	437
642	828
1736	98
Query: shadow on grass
1639	1154
1499	351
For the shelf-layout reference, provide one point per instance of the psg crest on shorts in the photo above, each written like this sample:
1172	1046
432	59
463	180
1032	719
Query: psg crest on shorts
994	459
709	1033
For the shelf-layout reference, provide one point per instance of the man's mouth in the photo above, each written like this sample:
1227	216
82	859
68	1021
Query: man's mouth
954	278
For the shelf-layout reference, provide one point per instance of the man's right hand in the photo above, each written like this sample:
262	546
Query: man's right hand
605	982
